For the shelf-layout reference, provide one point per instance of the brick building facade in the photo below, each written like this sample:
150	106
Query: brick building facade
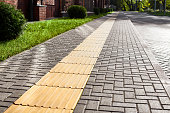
42	9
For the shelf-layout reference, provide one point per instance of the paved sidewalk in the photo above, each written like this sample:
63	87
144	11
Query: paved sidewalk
126	77
155	31
20	72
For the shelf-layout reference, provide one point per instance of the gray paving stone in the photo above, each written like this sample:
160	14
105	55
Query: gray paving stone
136	101
94	105
160	111
143	108
90	98
108	86
124	104
154	104
130	110
140	92
129	95
118	98
136	85
87	92
111	109
2	109
164	100
3	96
98	89
80	108
106	101
149	89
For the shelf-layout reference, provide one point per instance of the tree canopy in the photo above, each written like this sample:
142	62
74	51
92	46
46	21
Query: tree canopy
140	5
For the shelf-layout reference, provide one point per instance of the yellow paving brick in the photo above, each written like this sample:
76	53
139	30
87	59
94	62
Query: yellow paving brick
34	110
72	68
71	103
90	45
53	97
79	60
94	41
84	54
28	109
92	49
33	99
63	80
31	91
96	38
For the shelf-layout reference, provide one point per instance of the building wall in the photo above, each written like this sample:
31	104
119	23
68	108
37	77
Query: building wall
89	5
12	2
50	2
54	7
24	5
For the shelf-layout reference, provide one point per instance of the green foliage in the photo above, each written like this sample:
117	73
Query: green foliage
12	22
77	11
141	6
103	10
109	9
158	13
149	10
129	5
96	11
38	32
168	4
124	5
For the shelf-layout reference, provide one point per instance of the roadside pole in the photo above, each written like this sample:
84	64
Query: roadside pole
155	6
164	7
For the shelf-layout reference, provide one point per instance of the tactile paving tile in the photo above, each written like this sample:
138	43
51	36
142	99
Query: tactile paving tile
94	42
63	80
100	35
92	49
50	97
28	109
79	60
90	45
96	38
72	68
84	54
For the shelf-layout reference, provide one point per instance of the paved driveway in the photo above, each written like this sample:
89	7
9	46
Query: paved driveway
156	32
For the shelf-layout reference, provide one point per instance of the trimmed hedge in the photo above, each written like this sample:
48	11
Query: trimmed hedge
98	11
11	22
76	11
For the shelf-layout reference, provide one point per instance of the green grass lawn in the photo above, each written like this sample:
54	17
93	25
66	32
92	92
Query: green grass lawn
157	13
38	32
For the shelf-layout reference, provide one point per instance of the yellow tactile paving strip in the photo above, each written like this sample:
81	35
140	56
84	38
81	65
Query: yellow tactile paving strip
79	60
63	80
60	89
28	109
50	97
85	54
72	68
90	49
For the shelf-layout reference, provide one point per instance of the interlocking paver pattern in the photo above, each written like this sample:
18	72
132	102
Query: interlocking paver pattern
155	31
20	72
66	94
126	77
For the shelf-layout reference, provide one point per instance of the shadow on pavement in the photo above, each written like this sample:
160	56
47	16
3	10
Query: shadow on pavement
144	18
